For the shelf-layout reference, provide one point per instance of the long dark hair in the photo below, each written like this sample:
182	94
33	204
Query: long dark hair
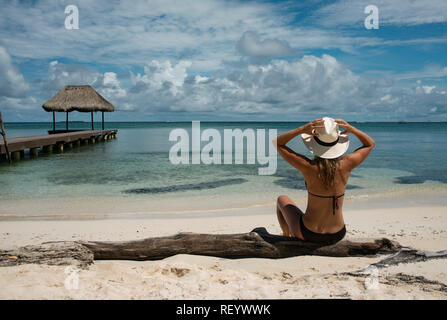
326	170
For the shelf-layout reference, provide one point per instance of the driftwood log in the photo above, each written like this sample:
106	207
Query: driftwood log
256	244
51	253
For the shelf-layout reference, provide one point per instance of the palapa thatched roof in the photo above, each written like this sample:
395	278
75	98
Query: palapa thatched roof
78	98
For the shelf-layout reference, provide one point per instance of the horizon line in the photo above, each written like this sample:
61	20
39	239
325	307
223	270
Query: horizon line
185	121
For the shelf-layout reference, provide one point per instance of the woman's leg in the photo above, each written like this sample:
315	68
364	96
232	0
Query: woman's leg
289	217
282	222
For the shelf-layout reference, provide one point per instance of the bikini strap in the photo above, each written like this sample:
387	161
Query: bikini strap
335	203
334	199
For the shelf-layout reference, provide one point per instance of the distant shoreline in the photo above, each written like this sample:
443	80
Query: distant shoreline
207	121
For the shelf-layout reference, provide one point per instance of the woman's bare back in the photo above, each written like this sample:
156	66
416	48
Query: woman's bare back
319	215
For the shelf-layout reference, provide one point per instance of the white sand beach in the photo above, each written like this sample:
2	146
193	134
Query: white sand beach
200	277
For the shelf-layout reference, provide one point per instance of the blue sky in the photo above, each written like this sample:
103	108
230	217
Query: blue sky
163	60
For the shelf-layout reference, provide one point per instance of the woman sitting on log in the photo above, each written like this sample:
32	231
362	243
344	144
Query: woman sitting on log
326	177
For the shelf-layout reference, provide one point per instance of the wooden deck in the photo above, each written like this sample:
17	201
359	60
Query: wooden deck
32	142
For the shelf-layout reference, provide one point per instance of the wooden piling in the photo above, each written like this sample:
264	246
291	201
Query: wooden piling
34	152
47	149
92	140
59	147
15	155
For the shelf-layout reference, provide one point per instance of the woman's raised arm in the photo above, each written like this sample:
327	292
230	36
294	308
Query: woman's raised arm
358	156
296	160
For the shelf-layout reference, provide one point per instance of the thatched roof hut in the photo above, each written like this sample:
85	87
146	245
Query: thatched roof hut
78	98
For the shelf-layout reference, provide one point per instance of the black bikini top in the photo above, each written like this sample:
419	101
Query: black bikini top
334	199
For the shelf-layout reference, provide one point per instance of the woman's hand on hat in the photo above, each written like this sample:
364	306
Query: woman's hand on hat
342	123
311	126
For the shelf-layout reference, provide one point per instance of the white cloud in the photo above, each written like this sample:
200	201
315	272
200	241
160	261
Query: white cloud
12	82
250	44
431	71
428	89
201	31
303	88
109	31
350	13
161	73
309	82
300	89
199	79
22	104
109	86
60	75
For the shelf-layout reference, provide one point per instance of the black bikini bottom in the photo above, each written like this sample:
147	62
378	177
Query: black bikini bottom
324	238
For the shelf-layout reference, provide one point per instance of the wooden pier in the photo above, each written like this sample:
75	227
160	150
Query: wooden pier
82	98
53	142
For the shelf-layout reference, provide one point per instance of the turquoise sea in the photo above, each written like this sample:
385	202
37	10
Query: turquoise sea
409	157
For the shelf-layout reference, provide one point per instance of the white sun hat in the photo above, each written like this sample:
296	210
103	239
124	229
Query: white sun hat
329	144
